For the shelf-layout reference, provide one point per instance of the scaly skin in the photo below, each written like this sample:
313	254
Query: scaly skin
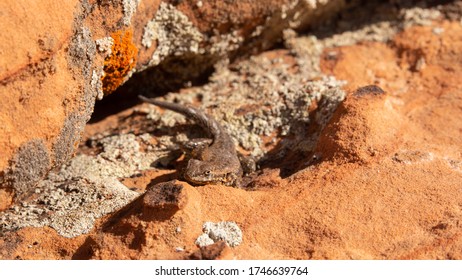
217	163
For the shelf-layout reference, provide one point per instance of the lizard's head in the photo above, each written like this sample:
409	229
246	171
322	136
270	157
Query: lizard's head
201	173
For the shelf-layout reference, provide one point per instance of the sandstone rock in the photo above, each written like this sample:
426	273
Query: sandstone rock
218	250
166	196
363	109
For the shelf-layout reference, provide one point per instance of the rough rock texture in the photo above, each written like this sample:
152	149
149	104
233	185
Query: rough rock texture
58	58
354	131
222	231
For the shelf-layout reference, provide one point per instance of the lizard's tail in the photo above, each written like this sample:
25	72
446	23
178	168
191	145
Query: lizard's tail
184	110
199	116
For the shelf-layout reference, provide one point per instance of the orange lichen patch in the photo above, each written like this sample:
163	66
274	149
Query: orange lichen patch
122	59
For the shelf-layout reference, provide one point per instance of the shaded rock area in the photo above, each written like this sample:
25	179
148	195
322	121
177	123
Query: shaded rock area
353	130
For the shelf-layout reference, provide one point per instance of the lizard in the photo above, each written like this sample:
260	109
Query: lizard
211	162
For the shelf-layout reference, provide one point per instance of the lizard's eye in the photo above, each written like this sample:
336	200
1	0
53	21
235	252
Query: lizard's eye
207	172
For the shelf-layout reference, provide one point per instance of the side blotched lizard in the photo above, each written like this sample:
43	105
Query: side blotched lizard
216	162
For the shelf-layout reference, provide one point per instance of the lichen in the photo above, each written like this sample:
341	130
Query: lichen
120	63
224	43
82	54
419	16
226	231
97	83
120	157
174	32
86	188
69	137
82	50
267	100
29	165
129	8
70	206
105	45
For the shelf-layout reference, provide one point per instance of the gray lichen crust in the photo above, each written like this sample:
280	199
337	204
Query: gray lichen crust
71	199
261	97
129	9
30	164
174	33
70	135
105	45
226	231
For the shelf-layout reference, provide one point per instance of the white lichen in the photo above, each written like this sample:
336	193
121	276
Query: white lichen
420	16
129	8
226	231
313	4
104	45
174	32
129	75
224	43
71	199
97	84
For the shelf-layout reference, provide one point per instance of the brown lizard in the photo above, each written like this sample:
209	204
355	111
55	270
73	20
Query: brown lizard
214	162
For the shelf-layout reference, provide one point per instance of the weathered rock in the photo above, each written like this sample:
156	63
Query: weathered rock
218	250
166	196
367	139
214	232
